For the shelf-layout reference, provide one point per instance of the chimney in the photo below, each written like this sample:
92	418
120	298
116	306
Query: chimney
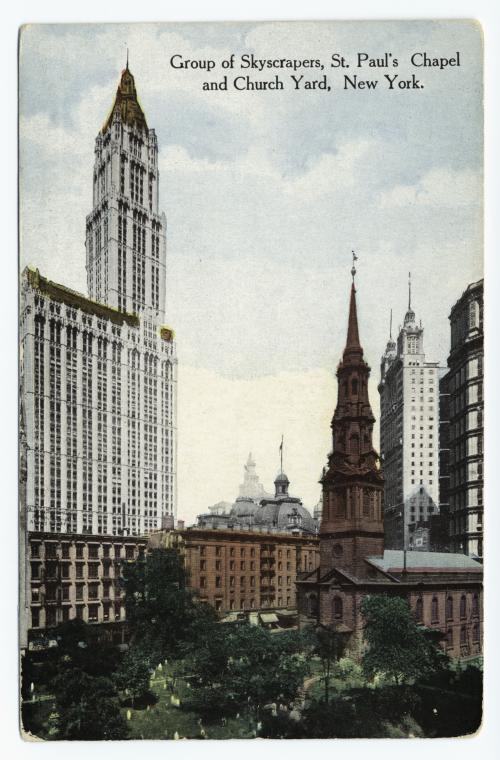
167	522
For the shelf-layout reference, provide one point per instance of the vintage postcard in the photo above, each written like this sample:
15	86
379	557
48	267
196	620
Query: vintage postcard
251	380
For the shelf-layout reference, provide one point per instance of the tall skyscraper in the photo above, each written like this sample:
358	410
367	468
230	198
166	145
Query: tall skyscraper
125	241
99	372
409	443
463	488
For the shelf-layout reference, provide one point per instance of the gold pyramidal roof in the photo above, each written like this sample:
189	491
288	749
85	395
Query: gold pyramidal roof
127	104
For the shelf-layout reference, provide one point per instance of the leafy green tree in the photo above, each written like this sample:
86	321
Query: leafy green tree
238	666
397	647
82	646
329	646
87	707
163	613
133	674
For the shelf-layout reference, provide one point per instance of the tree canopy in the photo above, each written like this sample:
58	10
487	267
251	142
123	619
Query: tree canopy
87	707
397	647
163	613
239	665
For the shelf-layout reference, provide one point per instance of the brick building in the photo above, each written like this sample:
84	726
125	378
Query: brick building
243	570
444	590
77	576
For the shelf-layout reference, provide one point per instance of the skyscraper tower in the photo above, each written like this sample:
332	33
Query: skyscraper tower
99	373
125	241
352	520
463	423
409	425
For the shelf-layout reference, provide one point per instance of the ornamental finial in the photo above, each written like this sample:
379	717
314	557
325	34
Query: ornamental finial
353	270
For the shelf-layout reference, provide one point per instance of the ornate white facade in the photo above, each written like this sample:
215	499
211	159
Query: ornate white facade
409	436
99	374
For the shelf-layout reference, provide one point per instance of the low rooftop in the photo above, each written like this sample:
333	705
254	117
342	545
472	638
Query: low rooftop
393	561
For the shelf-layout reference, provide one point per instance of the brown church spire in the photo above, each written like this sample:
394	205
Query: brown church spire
351	525
352	342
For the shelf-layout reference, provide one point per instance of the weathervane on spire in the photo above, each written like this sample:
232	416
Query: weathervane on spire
390	327
127	58
353	270
409	291
281	455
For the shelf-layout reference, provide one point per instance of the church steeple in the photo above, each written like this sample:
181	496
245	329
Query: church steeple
352	343
352	526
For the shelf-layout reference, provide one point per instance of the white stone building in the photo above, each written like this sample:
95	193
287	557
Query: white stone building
409	437
99	373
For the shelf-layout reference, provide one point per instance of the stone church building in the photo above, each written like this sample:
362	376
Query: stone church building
444	590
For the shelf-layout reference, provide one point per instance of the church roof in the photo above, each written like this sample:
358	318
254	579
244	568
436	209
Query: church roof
394	560
127	104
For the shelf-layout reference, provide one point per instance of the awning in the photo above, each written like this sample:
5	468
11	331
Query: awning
268	617
287	613
232	618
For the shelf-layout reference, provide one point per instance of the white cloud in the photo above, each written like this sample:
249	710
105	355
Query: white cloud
439	188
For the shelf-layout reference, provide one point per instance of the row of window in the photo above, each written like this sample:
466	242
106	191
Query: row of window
53	551
449	611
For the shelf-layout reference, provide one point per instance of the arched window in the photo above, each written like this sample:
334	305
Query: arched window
354	387
419	610
449	638
338	608
354	444
473	315
435	610
463	635
366	503
340	502
463	606
475	605
313	605
449	608
475	633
